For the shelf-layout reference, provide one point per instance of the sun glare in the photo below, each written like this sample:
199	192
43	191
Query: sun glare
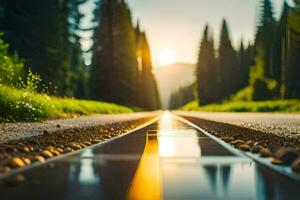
167	56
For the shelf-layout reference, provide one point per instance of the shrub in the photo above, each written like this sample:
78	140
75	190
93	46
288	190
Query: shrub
11	67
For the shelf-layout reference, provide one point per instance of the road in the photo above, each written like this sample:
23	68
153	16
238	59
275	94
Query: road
167	159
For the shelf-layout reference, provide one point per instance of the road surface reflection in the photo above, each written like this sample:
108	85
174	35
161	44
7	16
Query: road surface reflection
180	163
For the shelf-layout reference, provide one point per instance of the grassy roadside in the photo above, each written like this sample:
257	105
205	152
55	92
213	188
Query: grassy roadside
21	105
247	106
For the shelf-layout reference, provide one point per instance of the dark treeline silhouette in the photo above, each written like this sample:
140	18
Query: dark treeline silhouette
121	64
181	97
46	35
268	69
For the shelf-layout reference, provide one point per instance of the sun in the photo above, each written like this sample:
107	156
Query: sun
167	56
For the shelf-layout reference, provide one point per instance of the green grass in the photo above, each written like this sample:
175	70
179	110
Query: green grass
247	106
21	105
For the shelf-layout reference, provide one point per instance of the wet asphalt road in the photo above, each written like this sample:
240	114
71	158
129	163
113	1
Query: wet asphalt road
175	162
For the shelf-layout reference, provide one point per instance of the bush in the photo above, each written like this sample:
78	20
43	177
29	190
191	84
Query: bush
11	67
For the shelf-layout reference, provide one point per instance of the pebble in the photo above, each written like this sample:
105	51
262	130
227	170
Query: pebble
46	154
27	161
68	150
39	158
287	156
25	149
256	148
264	152
227	139
250	143
296	166
45	132
237	142
276	161
244	147
260	143
60	150
54	152
16	162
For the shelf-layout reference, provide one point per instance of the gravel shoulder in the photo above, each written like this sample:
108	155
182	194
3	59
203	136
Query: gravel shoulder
15	131
274	136
282	125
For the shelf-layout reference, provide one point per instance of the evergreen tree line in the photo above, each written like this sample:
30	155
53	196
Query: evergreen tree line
46	35
121	63
181	97
267	69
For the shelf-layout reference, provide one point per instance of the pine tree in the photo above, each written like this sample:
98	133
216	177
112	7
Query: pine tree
148	87
264	42
114	71
228	64
291	86
39	33
281	44
244	59
207	72
126	75
103	66
79	70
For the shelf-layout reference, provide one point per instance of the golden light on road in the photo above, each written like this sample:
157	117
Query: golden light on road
147	181
167	56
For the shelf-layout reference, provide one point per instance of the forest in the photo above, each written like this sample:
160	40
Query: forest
265	69
41	53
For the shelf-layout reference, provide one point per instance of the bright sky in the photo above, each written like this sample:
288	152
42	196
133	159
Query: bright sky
174	27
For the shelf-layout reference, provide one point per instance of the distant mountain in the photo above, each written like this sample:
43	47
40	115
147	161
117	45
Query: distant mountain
170	78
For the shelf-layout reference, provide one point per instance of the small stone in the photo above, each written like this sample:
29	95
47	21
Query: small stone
296	165
25	149
106	136
237	142
227	139
46	154
256	148
58	126
276	161
264	152
87	143
16	162
287	156
45	132
250	143
39	158
54	152
68	150
244	147
27	161
60	150
260	143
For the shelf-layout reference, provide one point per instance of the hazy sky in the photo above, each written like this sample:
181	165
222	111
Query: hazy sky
178	24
